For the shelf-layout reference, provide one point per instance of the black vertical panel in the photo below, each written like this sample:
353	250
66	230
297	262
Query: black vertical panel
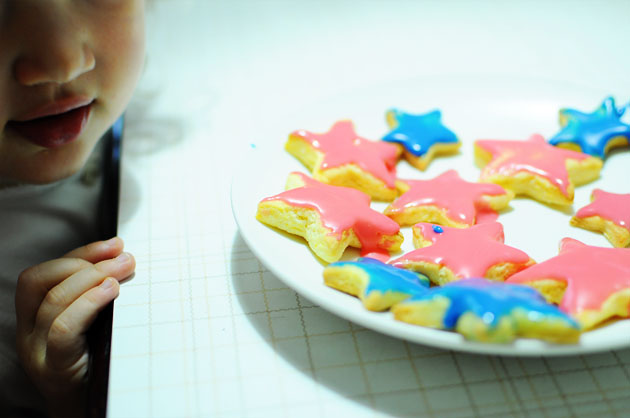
99	336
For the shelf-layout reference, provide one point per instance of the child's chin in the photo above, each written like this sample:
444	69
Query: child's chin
45	177
48	172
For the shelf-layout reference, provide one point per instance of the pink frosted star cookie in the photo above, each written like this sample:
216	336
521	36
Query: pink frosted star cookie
330	218
342	158
534	168
608	213
590	283
447	200
448	254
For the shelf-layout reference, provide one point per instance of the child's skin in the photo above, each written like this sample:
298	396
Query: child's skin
75	62
56	301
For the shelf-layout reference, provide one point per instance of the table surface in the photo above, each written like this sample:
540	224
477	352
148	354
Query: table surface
204	329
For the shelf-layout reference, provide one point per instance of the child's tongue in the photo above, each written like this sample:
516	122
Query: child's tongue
54	131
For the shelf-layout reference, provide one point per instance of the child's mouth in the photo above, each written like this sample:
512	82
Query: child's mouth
55	130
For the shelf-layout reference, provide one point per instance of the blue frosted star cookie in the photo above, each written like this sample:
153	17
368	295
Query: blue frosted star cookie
487	311
593	133
422	136
378	285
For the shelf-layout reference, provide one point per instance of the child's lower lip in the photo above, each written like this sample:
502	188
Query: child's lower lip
54	131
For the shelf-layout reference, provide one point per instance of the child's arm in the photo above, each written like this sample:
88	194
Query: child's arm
56	302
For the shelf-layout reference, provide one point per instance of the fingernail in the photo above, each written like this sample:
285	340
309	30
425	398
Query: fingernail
108	283
111	242
123	258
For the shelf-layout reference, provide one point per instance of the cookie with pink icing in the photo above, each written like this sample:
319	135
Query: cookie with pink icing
534	168
340	157
447	254
330	218
447	200
608	213
590	283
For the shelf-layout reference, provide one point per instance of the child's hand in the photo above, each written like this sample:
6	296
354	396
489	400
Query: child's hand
56	302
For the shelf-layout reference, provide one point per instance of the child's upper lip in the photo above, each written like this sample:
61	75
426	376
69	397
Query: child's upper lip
56	107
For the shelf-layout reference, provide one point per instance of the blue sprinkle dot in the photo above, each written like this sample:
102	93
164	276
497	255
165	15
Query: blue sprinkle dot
437	229
252	145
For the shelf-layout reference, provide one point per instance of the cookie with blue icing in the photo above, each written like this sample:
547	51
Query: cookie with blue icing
487	311
422	136
593	133
378	285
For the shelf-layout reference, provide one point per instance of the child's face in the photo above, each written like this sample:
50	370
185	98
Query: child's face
67	71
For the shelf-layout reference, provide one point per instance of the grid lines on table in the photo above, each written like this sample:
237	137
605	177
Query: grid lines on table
257	314
205	330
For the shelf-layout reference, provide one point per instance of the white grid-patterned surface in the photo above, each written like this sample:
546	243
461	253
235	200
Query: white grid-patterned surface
205	330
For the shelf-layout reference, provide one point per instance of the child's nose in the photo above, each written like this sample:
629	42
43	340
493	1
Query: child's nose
60	56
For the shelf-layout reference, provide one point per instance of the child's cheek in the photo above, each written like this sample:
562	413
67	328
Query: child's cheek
120	51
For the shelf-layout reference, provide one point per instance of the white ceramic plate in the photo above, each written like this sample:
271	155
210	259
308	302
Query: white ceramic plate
472	107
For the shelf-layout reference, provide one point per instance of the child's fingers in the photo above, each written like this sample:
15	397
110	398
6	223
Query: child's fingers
35	282
98	251
66	342
69	290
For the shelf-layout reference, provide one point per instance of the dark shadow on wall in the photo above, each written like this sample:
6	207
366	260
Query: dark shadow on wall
146	134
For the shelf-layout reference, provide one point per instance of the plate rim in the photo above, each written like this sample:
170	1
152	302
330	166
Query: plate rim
442	339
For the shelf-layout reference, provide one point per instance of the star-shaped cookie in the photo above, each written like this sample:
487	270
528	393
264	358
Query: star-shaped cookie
330	218
534	168
378	285
593	133
342	158
590	283
608	213
423	136
488	311
449	254
447	200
